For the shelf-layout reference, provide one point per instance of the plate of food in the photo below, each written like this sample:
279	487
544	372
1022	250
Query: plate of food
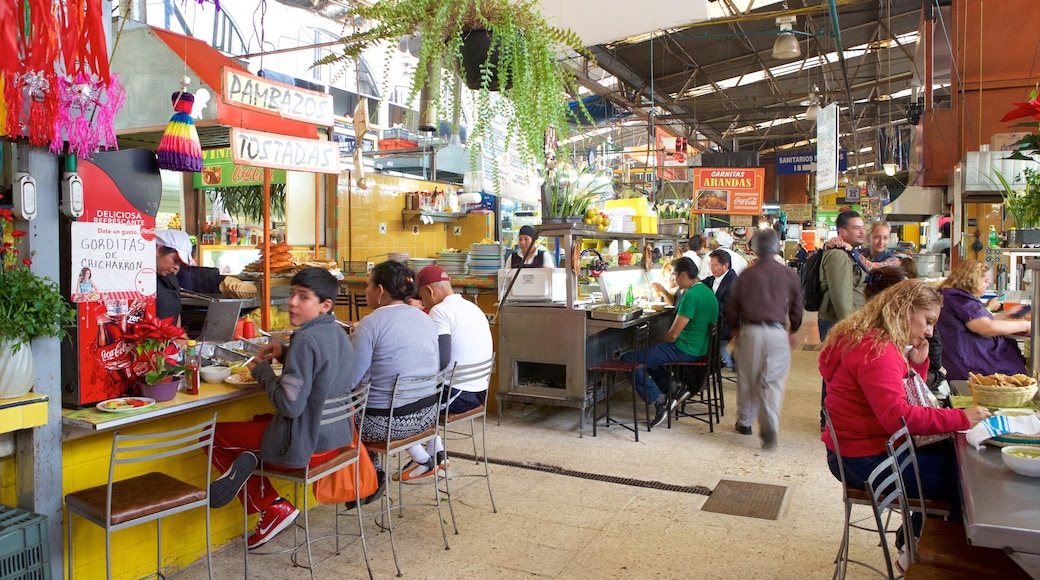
240	377
711	199
123	404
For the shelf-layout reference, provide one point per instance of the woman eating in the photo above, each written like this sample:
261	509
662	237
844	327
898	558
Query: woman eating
866	361
396	340
974	339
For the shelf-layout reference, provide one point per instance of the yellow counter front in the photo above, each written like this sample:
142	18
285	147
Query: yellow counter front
86	451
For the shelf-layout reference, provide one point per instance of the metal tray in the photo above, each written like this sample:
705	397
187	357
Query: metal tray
603	314
239	350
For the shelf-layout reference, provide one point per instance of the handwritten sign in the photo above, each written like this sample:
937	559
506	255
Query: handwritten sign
252	92
261	149
728	190
114	257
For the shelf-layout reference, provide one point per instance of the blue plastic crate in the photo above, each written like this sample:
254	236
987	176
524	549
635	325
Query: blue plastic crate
24	550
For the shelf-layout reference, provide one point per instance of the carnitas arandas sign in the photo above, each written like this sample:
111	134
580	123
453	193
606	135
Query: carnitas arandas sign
728	190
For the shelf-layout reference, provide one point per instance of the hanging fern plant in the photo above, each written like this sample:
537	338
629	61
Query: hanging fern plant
247	201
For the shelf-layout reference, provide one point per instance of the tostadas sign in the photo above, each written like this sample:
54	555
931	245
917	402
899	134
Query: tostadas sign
728	190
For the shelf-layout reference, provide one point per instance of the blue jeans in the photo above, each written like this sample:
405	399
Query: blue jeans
727	358
824	327
655	358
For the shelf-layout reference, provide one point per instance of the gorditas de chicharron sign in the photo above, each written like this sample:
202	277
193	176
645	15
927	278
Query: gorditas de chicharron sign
728	190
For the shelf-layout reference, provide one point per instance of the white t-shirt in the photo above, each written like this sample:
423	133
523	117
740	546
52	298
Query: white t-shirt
737	262
470	335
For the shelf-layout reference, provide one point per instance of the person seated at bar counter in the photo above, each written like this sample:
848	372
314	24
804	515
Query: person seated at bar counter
685	341
867	359
172	251
318	365
396	340
530	255
974	339
464	338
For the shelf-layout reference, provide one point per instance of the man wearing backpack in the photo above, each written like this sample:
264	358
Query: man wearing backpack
841	276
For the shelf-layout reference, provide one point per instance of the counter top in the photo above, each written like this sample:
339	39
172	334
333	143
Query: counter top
482	282
23	412
95	420
597	323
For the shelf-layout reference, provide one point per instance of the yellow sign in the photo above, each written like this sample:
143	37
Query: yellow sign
797	212
252	92
261	149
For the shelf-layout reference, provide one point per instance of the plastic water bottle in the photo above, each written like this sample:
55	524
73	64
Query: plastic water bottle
994	241
191	360
630	298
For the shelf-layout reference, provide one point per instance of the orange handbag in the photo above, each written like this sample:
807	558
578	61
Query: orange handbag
339	486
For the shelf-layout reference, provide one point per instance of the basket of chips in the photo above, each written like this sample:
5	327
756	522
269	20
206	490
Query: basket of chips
1000	390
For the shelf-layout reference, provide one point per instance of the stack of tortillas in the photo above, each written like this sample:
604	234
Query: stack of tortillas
280	259
235	288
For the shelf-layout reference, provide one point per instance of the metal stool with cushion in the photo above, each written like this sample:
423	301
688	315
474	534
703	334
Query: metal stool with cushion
152	496
395	447
611	368
359	301
885	491
467	373
703	380
339	409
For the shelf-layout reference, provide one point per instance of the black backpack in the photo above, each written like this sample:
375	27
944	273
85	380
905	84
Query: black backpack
812	288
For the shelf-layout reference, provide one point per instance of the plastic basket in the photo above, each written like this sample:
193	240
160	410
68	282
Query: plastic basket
24	550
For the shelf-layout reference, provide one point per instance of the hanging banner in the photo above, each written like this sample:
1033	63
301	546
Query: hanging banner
219	170
827	149
728	190
252	92
805	162
261	149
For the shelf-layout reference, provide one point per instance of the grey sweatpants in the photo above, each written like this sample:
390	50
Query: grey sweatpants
763	359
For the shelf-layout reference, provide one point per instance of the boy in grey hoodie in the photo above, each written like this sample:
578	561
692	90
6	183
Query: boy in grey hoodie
317	366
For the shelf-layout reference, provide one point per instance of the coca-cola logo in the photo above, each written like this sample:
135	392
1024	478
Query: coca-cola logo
247	174
114	355
745	202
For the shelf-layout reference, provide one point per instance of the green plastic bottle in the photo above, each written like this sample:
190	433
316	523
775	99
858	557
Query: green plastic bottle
994	241
630	298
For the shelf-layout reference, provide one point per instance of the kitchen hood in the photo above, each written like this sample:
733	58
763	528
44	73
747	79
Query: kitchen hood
454	158
915	204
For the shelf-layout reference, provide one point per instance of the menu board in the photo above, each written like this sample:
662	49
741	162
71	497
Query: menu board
111	258
728	190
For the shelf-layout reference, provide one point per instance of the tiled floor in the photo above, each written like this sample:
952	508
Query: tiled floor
558	526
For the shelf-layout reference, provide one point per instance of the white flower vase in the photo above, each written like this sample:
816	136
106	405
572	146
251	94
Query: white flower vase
17	370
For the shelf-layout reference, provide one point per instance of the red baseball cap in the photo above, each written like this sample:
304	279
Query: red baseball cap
431	274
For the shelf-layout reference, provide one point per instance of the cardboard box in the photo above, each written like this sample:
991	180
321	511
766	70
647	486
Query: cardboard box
1006	141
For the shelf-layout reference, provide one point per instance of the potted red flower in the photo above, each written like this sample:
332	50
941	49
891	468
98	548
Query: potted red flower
157	370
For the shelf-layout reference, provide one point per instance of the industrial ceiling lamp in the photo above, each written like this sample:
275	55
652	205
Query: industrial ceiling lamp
890	169
785	47
814	105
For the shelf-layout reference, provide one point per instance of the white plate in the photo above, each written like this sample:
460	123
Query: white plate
238	382
122	404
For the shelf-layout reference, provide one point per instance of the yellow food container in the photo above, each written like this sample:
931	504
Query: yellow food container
639	204
645	224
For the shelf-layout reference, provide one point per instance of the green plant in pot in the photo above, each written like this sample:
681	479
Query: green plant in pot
31	307
571	193
1023	205
521	58
153	342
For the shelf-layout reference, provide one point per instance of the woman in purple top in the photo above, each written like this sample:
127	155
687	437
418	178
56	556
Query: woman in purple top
975	340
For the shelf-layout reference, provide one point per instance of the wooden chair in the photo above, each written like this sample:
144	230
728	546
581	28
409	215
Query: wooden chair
122	503
395	447
612	368
336	410
466	373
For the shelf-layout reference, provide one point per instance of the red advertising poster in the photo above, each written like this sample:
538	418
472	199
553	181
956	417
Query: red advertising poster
112	253
728	190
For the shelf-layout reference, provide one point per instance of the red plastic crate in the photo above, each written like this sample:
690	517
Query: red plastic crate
386	144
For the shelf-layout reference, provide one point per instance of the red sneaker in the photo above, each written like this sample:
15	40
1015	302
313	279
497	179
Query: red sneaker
273	520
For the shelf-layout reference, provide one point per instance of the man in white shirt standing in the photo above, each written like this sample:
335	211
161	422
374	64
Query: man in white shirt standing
464	337
725	243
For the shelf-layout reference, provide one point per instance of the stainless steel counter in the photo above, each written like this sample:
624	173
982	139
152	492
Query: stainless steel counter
1001	507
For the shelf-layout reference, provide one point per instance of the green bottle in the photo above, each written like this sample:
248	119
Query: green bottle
994	241
630	298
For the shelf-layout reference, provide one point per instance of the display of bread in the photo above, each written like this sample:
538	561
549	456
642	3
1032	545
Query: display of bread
235	288
1001	380
280	259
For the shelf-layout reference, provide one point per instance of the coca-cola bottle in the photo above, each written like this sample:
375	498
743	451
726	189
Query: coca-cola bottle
112	351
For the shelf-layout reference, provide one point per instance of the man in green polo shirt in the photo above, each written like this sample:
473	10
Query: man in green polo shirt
685	341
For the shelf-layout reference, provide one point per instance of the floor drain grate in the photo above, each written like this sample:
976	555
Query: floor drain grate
556	470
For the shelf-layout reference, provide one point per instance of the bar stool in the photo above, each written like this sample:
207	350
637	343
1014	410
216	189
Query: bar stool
612	368
703	380
359	301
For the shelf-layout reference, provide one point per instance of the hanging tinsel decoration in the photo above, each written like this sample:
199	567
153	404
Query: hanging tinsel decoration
179	149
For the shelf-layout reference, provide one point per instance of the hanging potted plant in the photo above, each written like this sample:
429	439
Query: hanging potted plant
30	307
519	55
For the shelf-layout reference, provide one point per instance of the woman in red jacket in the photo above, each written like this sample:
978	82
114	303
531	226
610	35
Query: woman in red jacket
866	360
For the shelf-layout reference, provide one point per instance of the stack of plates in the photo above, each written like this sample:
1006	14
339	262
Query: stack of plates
398	257
454	263
485	259
420	263
628	225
